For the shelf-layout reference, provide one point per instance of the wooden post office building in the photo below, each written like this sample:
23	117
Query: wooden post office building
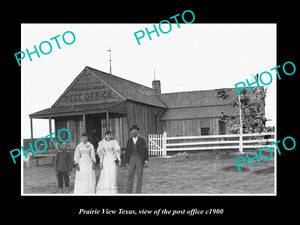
97	101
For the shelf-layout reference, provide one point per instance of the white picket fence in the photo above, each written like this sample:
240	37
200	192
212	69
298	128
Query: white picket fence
160	144
157	143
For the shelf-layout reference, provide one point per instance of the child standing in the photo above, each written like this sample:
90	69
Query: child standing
63	167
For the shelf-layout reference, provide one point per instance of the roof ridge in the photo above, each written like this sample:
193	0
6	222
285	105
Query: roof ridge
144	93
198	106
120	78
206	90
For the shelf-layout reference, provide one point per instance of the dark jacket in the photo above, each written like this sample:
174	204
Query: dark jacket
142	149
63	161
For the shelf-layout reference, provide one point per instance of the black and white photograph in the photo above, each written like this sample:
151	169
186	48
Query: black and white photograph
161	117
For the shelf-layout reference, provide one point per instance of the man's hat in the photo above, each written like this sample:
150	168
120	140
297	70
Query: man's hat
83	135
134	127
108	132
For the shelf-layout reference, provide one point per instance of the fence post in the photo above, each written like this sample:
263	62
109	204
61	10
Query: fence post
241	127
241	143
164	143
149	143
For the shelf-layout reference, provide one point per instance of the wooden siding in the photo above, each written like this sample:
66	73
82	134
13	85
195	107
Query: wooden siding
74	125
191	127
87	89
95	128
118	127
146	117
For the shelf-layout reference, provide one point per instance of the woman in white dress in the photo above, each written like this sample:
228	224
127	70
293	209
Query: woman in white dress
84	157
109	153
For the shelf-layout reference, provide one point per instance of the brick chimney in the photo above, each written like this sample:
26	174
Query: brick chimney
156	86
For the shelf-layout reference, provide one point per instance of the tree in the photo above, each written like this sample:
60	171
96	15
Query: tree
252	107
251	117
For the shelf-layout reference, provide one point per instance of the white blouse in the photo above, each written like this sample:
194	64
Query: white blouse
109	147
84	150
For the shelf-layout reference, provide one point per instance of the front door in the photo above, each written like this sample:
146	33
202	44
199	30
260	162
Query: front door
93	129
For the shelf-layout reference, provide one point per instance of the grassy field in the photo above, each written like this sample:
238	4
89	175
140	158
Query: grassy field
206	172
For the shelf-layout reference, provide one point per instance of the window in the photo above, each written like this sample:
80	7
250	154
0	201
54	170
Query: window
205	131
222	127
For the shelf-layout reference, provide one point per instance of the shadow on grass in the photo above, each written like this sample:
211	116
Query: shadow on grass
264	171
234	169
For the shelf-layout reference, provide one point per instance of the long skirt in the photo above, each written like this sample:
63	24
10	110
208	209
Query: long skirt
107	183
85	179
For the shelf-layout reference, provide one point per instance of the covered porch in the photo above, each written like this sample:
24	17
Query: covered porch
93	119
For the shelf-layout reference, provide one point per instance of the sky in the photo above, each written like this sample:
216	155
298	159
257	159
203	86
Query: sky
193	57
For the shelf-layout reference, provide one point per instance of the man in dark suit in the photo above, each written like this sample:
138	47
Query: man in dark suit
136	157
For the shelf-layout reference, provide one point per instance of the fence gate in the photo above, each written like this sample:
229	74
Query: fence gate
157	143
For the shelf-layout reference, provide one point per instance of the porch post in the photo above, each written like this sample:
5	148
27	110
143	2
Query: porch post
50	127
107	120
31	131
50	132
84	123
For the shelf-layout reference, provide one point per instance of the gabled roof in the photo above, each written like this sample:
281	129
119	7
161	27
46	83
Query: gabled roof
128	89
200	104
200	112
123	89
196	98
